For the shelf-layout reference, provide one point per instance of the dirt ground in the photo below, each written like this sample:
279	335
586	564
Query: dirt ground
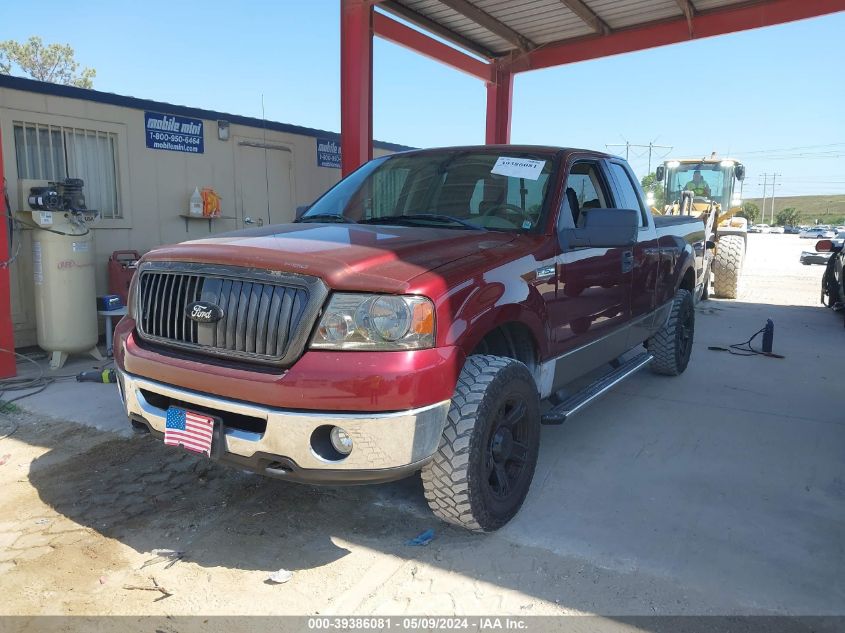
83	511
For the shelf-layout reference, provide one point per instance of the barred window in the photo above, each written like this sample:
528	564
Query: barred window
50	152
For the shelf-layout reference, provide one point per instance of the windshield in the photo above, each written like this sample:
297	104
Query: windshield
464	190
705	180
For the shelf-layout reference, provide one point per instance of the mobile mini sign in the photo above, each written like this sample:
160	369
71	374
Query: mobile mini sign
328	153
173	133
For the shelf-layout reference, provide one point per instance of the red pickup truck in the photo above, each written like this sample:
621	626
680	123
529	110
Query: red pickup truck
426	313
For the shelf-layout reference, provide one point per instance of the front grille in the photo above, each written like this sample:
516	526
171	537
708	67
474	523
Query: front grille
266	317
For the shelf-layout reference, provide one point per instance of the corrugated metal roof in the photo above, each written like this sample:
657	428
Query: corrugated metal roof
539	22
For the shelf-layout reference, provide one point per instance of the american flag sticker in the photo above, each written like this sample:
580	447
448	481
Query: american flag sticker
190	430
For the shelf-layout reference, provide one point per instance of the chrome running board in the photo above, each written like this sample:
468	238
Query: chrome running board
596	389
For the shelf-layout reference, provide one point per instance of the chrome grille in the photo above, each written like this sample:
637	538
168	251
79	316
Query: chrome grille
266	317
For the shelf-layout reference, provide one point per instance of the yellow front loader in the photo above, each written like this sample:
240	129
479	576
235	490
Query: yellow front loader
708	188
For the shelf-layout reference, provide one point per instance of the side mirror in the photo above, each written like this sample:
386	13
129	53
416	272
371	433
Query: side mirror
660	173
603	228
739	171
824	246
300	210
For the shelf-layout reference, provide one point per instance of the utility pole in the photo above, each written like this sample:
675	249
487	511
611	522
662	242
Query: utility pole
765	184
651	147
774	180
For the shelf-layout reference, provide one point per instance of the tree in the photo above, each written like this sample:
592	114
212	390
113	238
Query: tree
651	184
52	62
750	212
788	216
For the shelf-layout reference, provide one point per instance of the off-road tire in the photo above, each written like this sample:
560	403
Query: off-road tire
457	482
727	266
672	345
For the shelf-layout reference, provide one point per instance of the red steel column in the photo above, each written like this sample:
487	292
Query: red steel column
356	83
7	333
499	100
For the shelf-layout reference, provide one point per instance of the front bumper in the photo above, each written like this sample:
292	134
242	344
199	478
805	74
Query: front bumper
281	443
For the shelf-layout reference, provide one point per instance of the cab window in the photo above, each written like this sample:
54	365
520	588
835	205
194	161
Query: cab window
584	190
628	196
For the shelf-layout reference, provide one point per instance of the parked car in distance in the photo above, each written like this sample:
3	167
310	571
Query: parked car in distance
822	256
764	228
412	319
817	232
754	228
813	257
791	230
777	229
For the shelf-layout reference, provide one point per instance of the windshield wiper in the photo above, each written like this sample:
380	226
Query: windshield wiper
325	217
424	217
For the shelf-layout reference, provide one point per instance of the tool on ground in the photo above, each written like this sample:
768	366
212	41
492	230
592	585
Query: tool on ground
745	349
106	376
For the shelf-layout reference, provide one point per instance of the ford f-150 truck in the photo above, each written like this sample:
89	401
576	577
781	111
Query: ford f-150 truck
427	313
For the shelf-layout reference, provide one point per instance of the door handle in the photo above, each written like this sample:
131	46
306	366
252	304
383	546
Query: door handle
627	261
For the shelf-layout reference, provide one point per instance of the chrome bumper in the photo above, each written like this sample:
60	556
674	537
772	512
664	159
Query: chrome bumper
379	440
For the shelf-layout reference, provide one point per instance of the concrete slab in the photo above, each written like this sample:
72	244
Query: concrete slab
92	404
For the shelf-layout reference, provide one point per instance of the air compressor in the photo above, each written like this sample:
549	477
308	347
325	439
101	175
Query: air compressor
63	270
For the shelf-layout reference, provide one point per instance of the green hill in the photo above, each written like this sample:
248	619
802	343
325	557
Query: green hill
828	209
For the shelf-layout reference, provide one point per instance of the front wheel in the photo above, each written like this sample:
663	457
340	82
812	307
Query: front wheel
480	475
672	345
727	265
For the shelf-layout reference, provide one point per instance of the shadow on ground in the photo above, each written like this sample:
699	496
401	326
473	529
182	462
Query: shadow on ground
636	509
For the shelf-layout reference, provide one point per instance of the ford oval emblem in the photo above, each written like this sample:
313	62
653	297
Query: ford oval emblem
203	312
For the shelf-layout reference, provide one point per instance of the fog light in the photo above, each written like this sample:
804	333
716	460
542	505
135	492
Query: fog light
341	442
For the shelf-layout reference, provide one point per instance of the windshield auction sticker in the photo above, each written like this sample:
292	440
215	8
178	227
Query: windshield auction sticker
518	167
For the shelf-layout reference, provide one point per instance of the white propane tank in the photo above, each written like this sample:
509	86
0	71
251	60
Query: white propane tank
65	291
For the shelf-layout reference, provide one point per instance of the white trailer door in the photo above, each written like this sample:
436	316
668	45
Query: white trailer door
264	188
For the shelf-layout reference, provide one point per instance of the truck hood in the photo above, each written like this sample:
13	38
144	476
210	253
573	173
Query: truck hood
345	256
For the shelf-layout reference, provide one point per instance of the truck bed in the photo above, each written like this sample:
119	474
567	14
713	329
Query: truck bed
661	221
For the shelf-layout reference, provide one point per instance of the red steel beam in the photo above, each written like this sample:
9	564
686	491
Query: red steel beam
396	32
356	84
499	104
706	24
7	331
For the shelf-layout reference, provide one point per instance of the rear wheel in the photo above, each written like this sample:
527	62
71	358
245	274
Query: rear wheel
727	266
480	475
672	345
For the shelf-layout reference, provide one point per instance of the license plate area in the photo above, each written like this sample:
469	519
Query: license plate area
227	419
193	431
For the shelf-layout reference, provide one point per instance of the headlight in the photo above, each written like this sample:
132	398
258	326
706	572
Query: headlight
376	322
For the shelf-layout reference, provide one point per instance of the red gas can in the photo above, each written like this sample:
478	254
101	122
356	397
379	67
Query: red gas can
122	265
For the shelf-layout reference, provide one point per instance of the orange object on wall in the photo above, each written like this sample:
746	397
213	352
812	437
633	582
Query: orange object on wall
210	202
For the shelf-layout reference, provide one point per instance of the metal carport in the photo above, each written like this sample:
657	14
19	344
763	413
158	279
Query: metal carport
493	40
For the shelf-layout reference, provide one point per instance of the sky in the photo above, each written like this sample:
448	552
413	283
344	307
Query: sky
773	98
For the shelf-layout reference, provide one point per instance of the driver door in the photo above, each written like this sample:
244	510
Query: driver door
593	299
